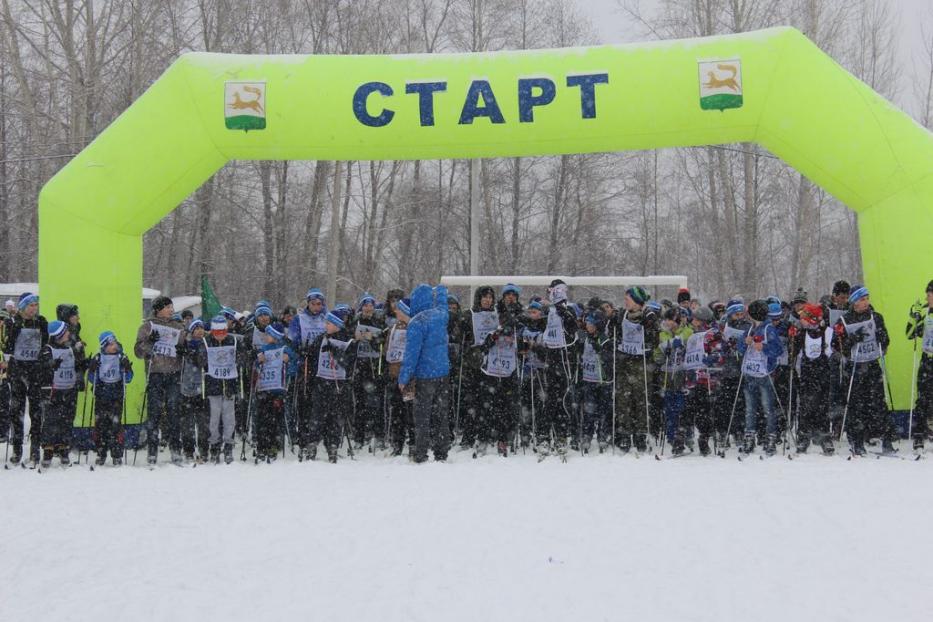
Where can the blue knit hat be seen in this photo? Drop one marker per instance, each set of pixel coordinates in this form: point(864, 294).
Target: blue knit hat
point(366, 298)
point(56, 328)
point(227, 312)
point(858, 292)
point(315, 292)
point(218, 322)
point(535, 304)
point(26, 299)
point(106, 337)
point(451, 298)
point(337, 316)
point(404, 305)
point(195, 323)
point(511, 288)
point(653, 305)
point(638, 295)
point(734, 307)
point(774, 310)
point(262, 309)
point(275, 330)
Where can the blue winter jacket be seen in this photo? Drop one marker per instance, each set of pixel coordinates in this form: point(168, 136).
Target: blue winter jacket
point(773, 348)
point(426, 340)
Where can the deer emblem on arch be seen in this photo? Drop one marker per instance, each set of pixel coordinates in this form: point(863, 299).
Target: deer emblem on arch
point(249, 104)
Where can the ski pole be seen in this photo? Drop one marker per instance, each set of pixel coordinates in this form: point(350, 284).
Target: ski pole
point(614, 357)
point(913, 383)
point(845, 411)
point(644, 366)
point(734, 404)
point(459, 384)
point(788, 430)
point(249, 413)
point(142, 409)
point(887, 385)
point(83, 415)
point(123, 412)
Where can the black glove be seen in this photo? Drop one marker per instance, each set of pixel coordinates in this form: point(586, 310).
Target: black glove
point(93, 365)
point(859, 335)
point(325, 345)
point(181, 349)
point(56, 363)
point(126, 365)
point(153, 336)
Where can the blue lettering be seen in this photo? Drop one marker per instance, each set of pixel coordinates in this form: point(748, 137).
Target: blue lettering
point(425, 91)
point(471, 108)
point(359, 104)
point(527, 100)
point(587, 84)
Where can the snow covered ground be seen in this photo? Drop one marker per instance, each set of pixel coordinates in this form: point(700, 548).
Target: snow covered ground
point(598, 538)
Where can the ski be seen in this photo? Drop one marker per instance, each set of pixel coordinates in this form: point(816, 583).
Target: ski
point(880, 455)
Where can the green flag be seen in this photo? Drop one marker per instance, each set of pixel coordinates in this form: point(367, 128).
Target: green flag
point(210, 306)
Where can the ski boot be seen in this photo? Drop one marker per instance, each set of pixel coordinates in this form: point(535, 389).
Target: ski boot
point(585, 446)
point(678, 446)
point(34, 453)
point(918, 444)
point(17, 454)
point(101, 458)
point(625, 444)
point(189, 457)
point(332, 455)
point(827, 446)
point(117, 461)
point(688, 440)
point(887, 447)
point(177, 460)
point(46, 458)
point(543, 450)
point(722, 441)
point(803, 443)
point(748, 446)
point(703, 444)
point(64, 456)
point(771, 444)
point(560, 447)
point(641, 443)
point(228, 453)
point(857, 447)
point(603, 446)
point(215, 453)
point(503, 449)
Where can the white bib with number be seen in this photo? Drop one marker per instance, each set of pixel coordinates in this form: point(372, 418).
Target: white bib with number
point(395, 350)
point(27, 344)
point(364, 348)
point(928, 334)
point(735, 334)
point(108, 371)
point(633, 339)
point(812, 347)
point(589, 364)
point(868, 349)
point(501, 359)
point(696, 351)
point(258, 339)
point(327, 366)
point(221, 362)
point(554, 336)
point(311, 326)
point(272, 371)
point(484, 322)
point(65, 376)
point(168, 339)
point(755, 363)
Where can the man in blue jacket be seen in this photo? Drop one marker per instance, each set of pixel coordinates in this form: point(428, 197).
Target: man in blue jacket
point(427, 364)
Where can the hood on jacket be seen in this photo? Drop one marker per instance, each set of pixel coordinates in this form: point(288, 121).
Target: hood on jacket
point(440, 297)
point(422, 297)
point(478, 296)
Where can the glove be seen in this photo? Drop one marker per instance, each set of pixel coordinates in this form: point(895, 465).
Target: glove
point(126, 365)
point(792, 332)
point(840, 330)
point(181, 349)
point(860, 335)
point(56, 363)
point(79, 346)
point(676, 343)
point(325, 345)
point(93, 365)
point(153, 336)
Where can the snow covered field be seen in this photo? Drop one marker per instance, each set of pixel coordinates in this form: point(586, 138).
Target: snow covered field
point(598, 538)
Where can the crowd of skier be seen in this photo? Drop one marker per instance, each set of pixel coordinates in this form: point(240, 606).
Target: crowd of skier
point(421, 372)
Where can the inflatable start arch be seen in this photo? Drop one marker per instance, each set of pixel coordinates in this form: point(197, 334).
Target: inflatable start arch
point(772, 87)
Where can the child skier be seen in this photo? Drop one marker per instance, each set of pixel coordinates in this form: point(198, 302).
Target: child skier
point(62, 364)
point(109, 371)
point(674, 335)
point(760, 351)
point(399, 416)
point(220, 357)
point(193, 410)
point(814, 370)
point(920, 328)
point(596, 381)
point(277, 366)
point(331, 354)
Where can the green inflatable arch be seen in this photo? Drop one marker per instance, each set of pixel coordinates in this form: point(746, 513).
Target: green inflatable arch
point(772, 87)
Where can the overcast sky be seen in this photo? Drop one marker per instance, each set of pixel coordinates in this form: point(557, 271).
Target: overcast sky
point(614, 26)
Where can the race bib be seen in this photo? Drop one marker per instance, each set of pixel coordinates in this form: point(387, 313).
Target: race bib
point(693, 359)
point(812, 348)
point(168, 339)
point(258, 339)
point(65, 376)
point(735, 334)
point(928, 334)
point(221, 362)
point(108, 371)
point(272, 371)
point(868, 349)
point(395, 350)
point(589, 364)
point(554, 336)
point(311, 326)
point(364, 348)
point(484, 322)
point(501, 359)
point(27, 345)
point(327, 366)
point(755, 363)
point(633, 339)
